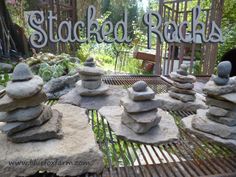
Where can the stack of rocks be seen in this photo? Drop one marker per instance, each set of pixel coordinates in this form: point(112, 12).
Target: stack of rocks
point(181, 95)
point(91, 80)
point(182, 88)
point(219, 121)
point(140, 111)
point(139, 119)
point(25, 117)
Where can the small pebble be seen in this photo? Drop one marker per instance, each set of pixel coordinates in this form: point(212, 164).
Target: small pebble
point(22, 72)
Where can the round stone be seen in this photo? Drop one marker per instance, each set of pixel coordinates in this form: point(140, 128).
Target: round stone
point(183, 70)
point(90, 60)
point(220, 80)
point(184, 67)
point(22, 72)
point(224, 69)
point(140, 86)
point(24, 89)
point(89, 64)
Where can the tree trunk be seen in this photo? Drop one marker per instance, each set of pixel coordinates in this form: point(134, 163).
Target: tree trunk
point(13, 42)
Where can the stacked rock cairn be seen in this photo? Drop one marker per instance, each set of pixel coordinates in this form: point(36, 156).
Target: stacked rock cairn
point(25, 116)
point(182, 88)
point(140, 111)
point(91, 80)
point(221, 99)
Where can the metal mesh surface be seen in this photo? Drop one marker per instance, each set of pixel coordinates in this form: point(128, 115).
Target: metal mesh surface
point(190, 156)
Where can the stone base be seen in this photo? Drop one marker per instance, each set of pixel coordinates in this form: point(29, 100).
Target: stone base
point(94, 102)
point(168, 103)
point(77, 153)
point(101, 90)
point(187, 124)
point(49, 130)
point(164, 132)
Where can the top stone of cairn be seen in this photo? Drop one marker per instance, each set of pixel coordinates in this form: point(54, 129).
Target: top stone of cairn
point(90, 62)
point(183, 70)
point(140, 86)
point(22, 72)
point(224, 68)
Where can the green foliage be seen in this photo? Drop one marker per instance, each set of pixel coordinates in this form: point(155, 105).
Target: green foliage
point(4, 78)
point(228, 28)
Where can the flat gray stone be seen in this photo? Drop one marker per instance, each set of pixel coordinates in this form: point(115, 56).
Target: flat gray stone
point(24, 89)
point(57, 87)
point(186, 86)
point(25, 114)
point(91, 85)
point(183, 79)
point(131, 106)
point(187, 125)
point(217, 111)
point(202, 123)
point(143, 117)
point(90, 78)
point(22, 72)
point(77, 147)
point(166, 131)
point(182, 97)
point(14, 127)
point(212, 89)
point(139, 127)
point(167, 103)
point(8, 104)
point(49, 130)
point(141, 96)
point(91, 71)
point(220, 103)
point(102, 90)
point(183, 91)
point(229, 121)
point(112, 98)
point(231, 97)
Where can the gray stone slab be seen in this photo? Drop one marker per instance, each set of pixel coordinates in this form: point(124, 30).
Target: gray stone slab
point(212, 89)
point(202, 123)
point(8, 104)
point(25, 114)
point(73, 155)
point(91, 71)
point(91, 85)
point(188, 86)
point(140, 127)
point(187, 125)
point(138, 106)
point(49, 130)
point(141, 96)
point(217, 111)
point(95, 102)
point(231, 97)
point(102, 90)
point(24, 89)
point(143, 117)
point(183, 79)
point(229, 121)
point(182, 97)
point(14, 127)
point(165, 132)
point(220, 103)
point(167, 103)
point(183, 91)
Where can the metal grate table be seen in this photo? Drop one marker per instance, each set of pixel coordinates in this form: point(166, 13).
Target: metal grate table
point(190, 156)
